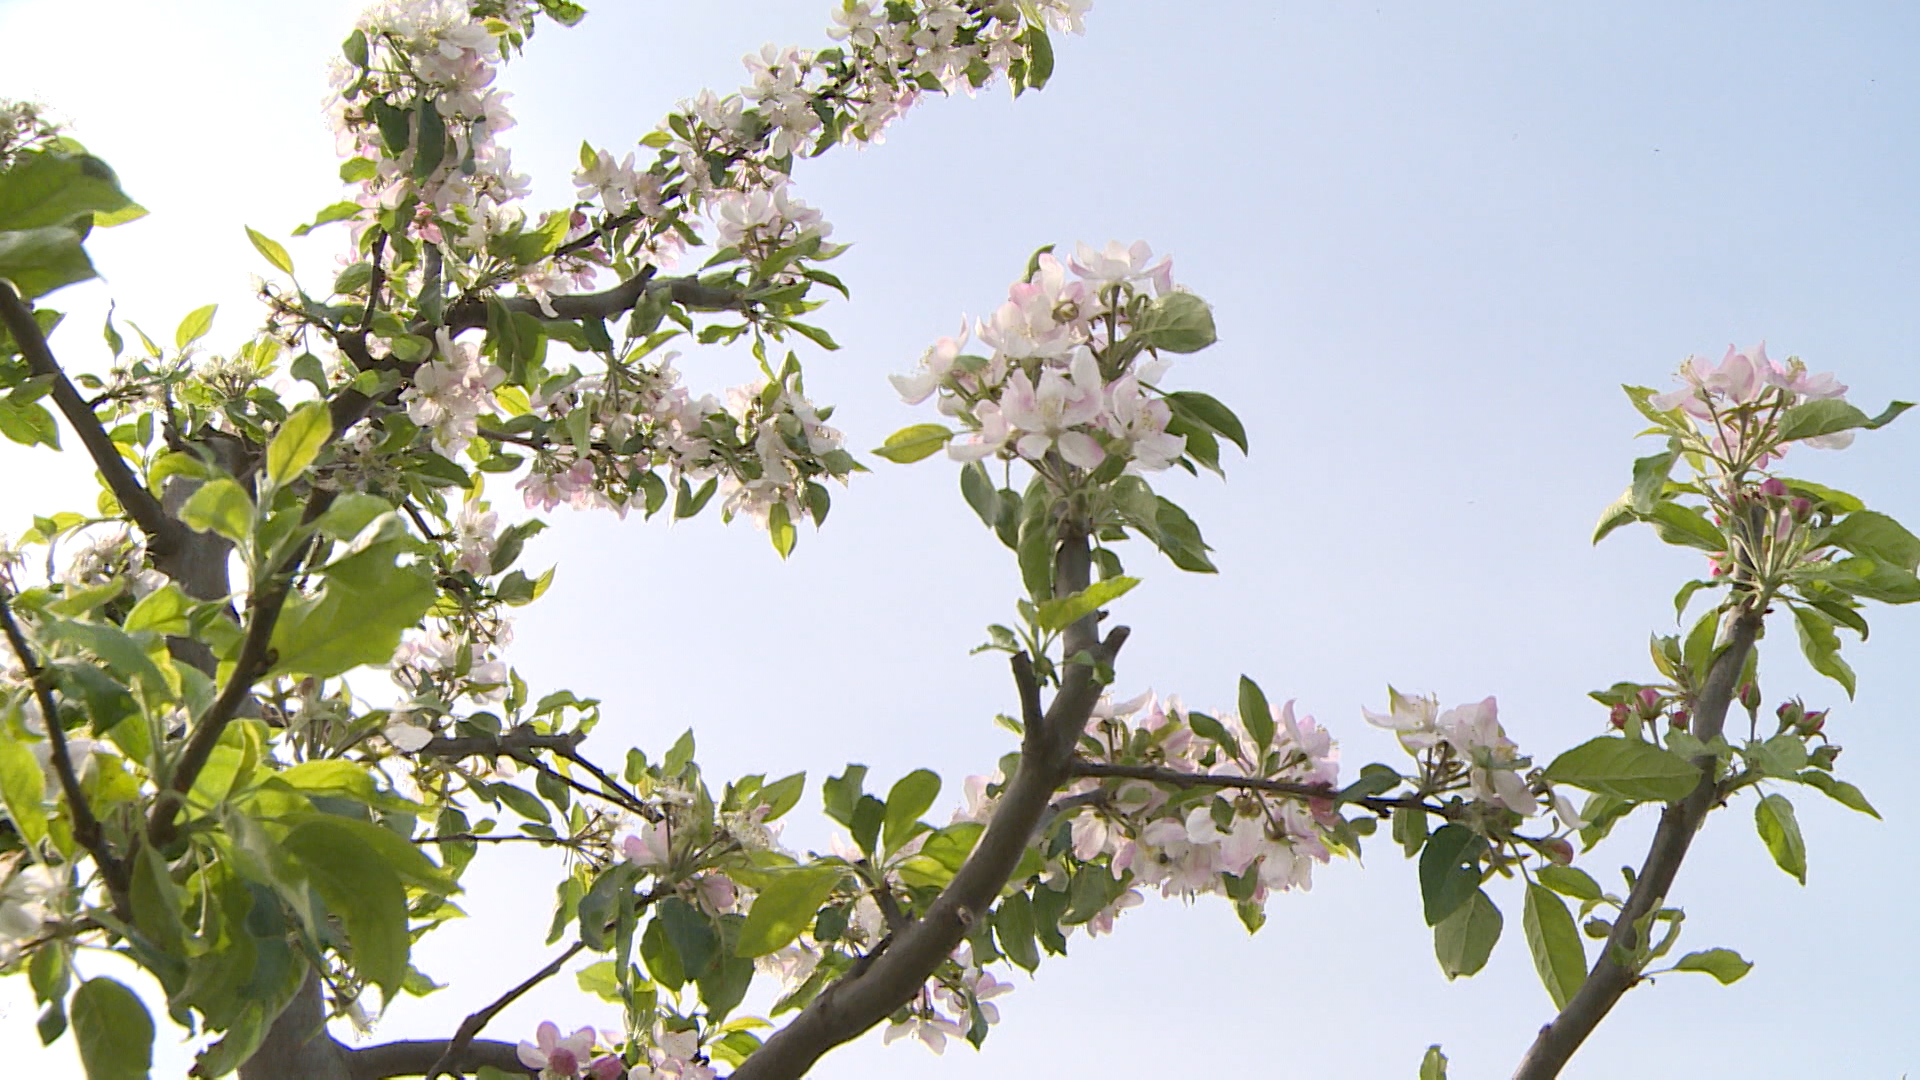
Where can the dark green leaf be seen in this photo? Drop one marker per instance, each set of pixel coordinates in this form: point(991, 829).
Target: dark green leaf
point(1465, 940)
point(1822, 646)
point(114, 1030)
point(1450, 871)
point(1256, 714)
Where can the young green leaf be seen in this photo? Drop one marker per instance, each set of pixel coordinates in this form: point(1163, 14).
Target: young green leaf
point(298, 442)
point(1062, 612)
point(1256, 713)
point(1554, 941)
point(1780, 831)
point(1723, 964)
point(785, 907)
point(910, 444)
point(908, 799)
point(271, 250)
point(1625, 769)
point(194, 326)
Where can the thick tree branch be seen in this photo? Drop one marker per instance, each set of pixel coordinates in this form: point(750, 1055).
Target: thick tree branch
point(471, 313)
point(86, 827)
point(139, 503)
point(868, 995)
point(1609, 978)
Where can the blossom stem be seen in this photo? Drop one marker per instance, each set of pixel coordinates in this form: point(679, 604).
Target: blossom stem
point(1379, 804)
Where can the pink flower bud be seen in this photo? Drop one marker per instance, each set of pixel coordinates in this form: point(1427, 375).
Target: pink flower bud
point(1680, 719)
point(1813, 722)
point(1802, 509)
point(606, 1068)
point(1749, 697)
point(1649, 703)
point(1773, 487)
point(1618, 717)
point(1558, 851)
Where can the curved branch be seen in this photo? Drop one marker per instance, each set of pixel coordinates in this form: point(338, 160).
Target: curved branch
point(1609, 978)
point(867, 995)
point(139, 503)
point(471, 313)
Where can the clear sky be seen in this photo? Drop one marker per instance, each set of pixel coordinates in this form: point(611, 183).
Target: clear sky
point(1437, 238)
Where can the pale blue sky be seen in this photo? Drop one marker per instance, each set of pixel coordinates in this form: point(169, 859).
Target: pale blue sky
point(1437, 236)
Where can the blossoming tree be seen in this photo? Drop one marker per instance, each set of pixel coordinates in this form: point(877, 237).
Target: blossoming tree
point(198, 775)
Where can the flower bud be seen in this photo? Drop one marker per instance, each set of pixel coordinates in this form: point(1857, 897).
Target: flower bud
point(1618, 717)
point(1558, 851)
point(1802, 509)
point(1790, 714)
point(1649, 703)
point(1680, 719)
point(1749, 697)
point(1773, 487)
point(1811, 723)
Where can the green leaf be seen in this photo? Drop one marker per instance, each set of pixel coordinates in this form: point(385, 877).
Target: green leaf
point(1829, 415)
point(691, 934)
point(23, 789)
point(1062, 612)
point(1207, 411)
point(1014, 929)
point(1178, 322)
point(786, 906)
point(431, 147)
point(162, 611)
point(271, 250)
point(1569, 881)
point(1433, 1066)
point(1649, 479)
point(1619, 513)
point(1039, 57)
point(1257, 714)
point(114, 1030)
point(780, 529)
point(52, 188)
point(39, 261)
point(299, 440)
point(1822, 646)
point(1839, 790)
point(1723, 964)
point(1037, 545)
point(1625, 769)
point(910, 444)
point(358, 885)
point(1450, 871)
point(220, 506)
point(1558, 955)
point(364, 602)
point(1781, 833)
point(194, 326)
point(908, 799)
point(1865, 532)
point(1465, 940)
point(978, 490)
point(1686, 527)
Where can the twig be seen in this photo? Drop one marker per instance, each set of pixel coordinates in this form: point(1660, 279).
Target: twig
point(133, 496)
point(86, 827)
point(506, 744)
point(632, 800)
point(471, 1026)
point(1376, 803)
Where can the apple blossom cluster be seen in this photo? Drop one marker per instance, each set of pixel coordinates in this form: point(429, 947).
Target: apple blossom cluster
point(1066, 379)
point(415, 112)
point(1191, 840)
point(670, 1055)
point(1466, 748)
point(1738, 401)
point(765, 447)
